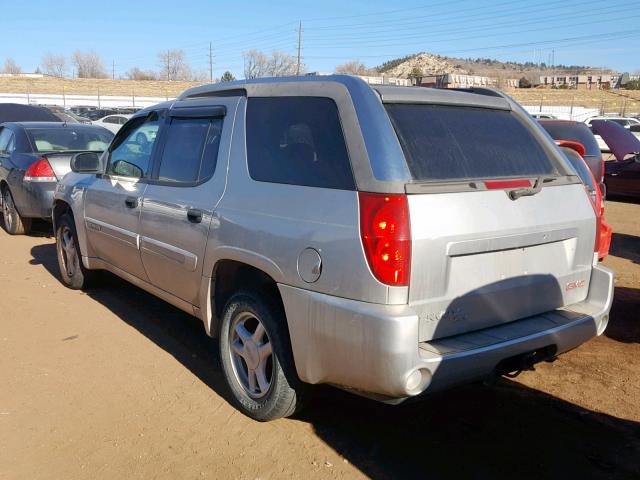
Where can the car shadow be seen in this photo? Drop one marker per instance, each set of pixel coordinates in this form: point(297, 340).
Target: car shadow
point(503, 431)
point(625, 246)
point(624, 322)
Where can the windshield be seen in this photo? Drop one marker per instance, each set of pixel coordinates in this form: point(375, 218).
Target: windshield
point(70, 138)
point(443, 143)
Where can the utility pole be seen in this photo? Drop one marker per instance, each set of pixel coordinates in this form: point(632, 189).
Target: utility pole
point(113, 69)
point(210, 62)
point(168, 75)
point(299, 47)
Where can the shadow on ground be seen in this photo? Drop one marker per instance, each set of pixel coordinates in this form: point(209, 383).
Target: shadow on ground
point(625, 246)
point(503, 431)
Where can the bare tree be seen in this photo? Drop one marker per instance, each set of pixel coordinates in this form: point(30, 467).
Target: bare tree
point(54, 64)
point(279, 64)
point(256, 64)
point(174, 66)
point(89, 65)
point(354, 67)
point(10, 66)
point(227, 77)
point(282, 64)
point(138, 74)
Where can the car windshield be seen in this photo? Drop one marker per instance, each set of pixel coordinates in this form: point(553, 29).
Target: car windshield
point(443, 143)
point(70, 138)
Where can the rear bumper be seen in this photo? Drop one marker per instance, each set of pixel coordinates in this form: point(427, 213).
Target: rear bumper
point(374, 349)
point(36, 200)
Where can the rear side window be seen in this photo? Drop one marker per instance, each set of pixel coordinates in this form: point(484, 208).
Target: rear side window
point(451, 143)
point(191, 150)
point(297, 141)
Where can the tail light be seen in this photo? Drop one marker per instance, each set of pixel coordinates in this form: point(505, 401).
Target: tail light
point(386, 236)
point(40, 171)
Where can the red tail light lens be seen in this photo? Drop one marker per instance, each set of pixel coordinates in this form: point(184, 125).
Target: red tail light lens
point(386, 236)
point(40, 171)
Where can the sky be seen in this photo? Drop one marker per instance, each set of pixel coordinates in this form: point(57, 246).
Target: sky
point(132, 33)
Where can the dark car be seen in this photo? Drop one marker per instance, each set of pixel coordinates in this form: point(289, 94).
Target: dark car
point(98, 114)
point(33, 157)
point(622, 175)
point(578, 132)
point(17, 112)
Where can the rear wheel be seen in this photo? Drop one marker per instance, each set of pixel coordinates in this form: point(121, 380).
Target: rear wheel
point(14, 224)
point(256, 358)
point(74, 274)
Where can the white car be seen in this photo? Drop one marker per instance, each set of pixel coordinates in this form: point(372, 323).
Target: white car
point(113, 122)
point(629, 123)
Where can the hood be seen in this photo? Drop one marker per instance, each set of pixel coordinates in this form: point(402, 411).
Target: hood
point(620, 141)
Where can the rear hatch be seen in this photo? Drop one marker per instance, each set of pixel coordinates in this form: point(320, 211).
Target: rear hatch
point(501, 229)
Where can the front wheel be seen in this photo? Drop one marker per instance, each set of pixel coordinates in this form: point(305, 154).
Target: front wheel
point(14, 224)
point(256, 358)
point(74, 274)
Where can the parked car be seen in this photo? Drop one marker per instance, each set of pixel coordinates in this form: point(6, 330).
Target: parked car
point(543, 115)
point(582, 150)
point(16, 112)
point(389, 240)
point(622, 175)
point(629, 123)
point(112, 122)
point(98, 113)
point(33, 157)
point(66, 115)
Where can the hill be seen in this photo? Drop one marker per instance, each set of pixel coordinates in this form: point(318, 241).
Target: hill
point(428, 64)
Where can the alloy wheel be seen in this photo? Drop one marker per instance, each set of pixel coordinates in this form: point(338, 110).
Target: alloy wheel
point(251, 355)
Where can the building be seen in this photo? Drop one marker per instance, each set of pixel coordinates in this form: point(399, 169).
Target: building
point(580, 82)
point(456, 80)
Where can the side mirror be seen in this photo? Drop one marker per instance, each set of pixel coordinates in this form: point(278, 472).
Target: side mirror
point(85, 162)
point(575, 146)
point(126, 169)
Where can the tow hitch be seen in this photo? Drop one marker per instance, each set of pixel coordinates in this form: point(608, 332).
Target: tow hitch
point(513, 366)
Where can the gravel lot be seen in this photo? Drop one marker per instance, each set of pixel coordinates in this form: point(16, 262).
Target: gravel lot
point(114, 383)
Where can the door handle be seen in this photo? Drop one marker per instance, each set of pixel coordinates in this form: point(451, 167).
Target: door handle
point(131, 202)
point(194, 215)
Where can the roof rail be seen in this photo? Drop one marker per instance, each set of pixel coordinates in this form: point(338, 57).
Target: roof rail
point(231, 92)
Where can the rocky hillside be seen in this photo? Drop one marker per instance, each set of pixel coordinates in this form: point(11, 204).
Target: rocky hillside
point(428, 64)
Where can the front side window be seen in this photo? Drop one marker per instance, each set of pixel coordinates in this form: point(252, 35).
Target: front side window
point(454, 143)
point(191, 150)
point(297, 141)
point(130, 153)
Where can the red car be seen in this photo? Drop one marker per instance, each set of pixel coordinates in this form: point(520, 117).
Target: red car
point(581, 148)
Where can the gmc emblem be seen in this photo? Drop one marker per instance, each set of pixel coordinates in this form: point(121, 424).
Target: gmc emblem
point(574, 285)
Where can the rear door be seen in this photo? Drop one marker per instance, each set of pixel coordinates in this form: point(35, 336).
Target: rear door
point(187, 184)
point(113, 201)
point(481, 257)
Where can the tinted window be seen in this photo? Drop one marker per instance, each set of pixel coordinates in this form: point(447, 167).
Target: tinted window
point(111, 119)
point(298, 141)
point(461, 143)
point(191, 149)
point(131, 150)
point(70, 138)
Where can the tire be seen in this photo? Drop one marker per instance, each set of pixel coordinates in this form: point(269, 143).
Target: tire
point(273, 390)
point(73, 273)
point(14, 224)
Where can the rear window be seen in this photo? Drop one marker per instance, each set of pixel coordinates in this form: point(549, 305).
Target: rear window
point(69, 138)
point(447, 143)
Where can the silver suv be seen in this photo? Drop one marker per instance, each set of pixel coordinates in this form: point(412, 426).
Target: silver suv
point(387, 240)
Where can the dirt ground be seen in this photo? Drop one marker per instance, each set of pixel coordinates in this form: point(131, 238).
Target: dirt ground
point(114, 383)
